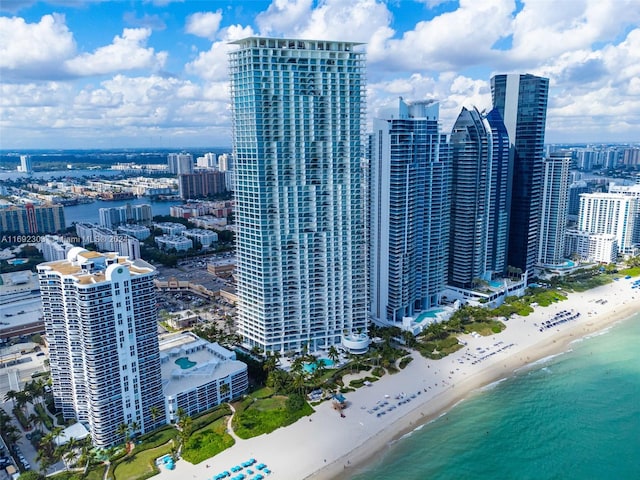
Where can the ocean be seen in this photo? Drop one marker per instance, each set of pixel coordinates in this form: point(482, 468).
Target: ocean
point(573, 416)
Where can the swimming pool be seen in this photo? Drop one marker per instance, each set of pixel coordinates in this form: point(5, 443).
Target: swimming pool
point(311, 367)
point(184, 363)
point(429, 314)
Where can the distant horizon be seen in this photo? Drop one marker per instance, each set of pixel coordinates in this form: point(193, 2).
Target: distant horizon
point(156, 73)
point(9, 151)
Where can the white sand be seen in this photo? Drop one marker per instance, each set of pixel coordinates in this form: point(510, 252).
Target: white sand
point(326, 446)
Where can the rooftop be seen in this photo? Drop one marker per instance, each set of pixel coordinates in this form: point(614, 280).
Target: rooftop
point(210, 361)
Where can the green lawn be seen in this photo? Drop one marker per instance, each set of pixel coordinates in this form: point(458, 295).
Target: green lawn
point(207, 442)
point(436, 349)
point(490, 327)
point(140, 465)
point(158, 437)
point(633, 271)
point(257, 416)
point(95, 473)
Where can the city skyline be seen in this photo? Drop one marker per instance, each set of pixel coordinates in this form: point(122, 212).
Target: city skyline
point(154, 74)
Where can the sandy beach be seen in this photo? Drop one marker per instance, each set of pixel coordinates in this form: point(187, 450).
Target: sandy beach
point(326, 446)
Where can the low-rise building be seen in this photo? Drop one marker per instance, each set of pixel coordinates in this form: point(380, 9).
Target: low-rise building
point(138, 231)
point(179, 242)
point(591, 247)
point(205, 237)
point(170, 228)
point(198, 375)
point(54, 247)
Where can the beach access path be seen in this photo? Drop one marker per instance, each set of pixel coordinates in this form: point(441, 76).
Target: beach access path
point(327, 446)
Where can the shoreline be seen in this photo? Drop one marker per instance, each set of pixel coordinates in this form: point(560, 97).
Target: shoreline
point(329, 447)
point(364, 453)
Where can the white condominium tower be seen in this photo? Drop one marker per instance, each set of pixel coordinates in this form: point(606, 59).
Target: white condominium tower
point(298, 114)
point(100, 318)
point(555, 205)
point(409, 211)
point(610, 213)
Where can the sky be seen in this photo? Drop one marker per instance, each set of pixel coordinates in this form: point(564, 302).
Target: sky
point(154, 73)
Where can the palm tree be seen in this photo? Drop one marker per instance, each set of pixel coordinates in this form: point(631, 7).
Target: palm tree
point(34, 420)
point(67, 451)
point(123, 431)
point(22, 398)
point(298, 382)
point(155, 412)
point(333, 354)
point(43, 459)
point(135, 428)
point(11, 434)
point(11, 395)
point(86, 454)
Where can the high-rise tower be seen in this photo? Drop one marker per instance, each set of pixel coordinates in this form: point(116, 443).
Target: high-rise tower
point(555, 208)
point(479, 187)
point(522, 103)
point(100, 318)
point(298, 112)
point(409, 211)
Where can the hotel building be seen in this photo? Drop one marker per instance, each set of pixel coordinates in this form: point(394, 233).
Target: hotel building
point(100, 319)
point(409, 214)
point(298, 114)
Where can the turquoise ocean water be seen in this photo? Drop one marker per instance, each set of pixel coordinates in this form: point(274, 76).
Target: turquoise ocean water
point(575, 416)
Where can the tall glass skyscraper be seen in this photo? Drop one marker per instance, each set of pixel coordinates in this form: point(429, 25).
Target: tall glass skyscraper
point(522, 103)
point(479, 187)
point(298, 112)
point(409, 211)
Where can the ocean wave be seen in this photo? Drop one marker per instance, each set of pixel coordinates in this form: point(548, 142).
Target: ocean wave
point(408, 434)
point(597, 334)
point(541, 361)
point(492, 385)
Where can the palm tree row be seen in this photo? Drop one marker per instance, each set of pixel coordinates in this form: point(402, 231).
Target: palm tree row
point(73, 452)
point(33, 393)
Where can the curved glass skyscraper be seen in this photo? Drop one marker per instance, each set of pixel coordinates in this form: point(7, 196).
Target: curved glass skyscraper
point(479, 187)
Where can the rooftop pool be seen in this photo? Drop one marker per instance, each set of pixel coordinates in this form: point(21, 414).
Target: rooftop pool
point(184, 363)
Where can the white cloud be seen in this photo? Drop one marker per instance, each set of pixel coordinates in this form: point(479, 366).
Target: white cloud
point(204, 24)
point(590, 50)
point(541, 32)
point(451, 41)
point(283, 16)
point(127, 52)
point(213, 64)
point(34, 50)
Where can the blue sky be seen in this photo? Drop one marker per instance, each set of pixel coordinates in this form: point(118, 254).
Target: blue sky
point(153, 73)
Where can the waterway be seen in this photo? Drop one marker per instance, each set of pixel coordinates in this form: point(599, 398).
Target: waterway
point(89, 212)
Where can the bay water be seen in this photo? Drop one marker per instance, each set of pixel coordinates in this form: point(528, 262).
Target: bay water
point(90, 212)
point(574, 416)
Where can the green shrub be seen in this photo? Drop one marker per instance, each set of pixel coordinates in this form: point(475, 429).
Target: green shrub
point(207, 442)
point(46, 419)
point(405, 361)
